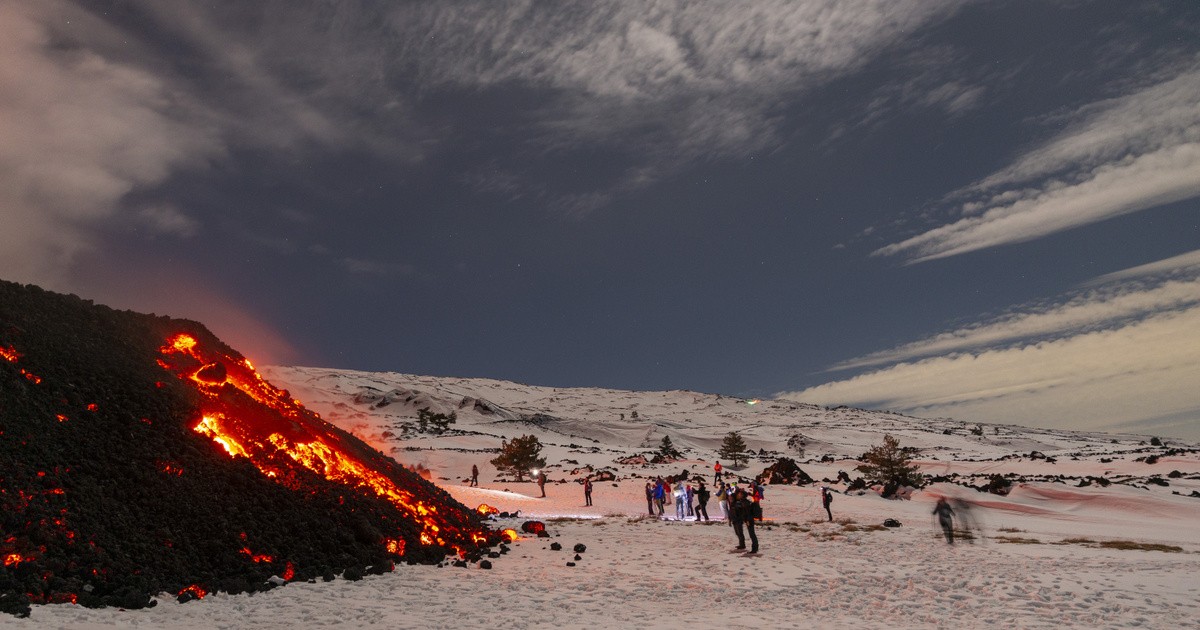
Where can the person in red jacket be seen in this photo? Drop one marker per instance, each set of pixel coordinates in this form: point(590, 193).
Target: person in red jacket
point(716, 472)
point(587, 491)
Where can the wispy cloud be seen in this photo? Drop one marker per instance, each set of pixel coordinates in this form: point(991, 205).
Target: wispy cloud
point(1116, 157)
point(78, 131)
point(1125, 352)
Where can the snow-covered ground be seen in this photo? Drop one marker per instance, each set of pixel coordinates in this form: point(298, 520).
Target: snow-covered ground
point(1061, 550)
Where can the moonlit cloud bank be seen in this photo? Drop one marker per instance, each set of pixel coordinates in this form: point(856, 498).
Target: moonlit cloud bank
point(1124, 354)
point(78, 132)
point(1116, 157)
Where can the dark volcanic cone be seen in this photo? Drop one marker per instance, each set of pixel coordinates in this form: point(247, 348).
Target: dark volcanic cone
point(140, 455)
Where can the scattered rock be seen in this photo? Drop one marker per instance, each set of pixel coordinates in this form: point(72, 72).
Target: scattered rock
point(891, 522)
point(555, 546)
point(580, 547)
point(485, 564)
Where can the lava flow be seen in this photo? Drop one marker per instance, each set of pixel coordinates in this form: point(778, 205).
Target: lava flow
point(250, 418)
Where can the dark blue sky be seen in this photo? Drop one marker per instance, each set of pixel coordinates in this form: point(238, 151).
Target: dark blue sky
point(984, 210)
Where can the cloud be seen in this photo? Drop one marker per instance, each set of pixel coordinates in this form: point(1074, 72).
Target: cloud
point(1123, 155)
point(668, 82)
point(1123, 356)
point(78, 132)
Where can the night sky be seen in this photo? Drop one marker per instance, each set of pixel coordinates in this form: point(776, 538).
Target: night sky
point(981, 210)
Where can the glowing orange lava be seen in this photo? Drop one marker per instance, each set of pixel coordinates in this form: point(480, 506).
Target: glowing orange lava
point(197, 591)
point(250, 418)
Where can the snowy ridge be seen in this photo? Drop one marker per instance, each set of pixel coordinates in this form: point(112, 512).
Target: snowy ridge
point(1098, 531)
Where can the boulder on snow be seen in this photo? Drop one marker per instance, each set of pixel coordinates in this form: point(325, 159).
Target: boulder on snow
point(785, 471)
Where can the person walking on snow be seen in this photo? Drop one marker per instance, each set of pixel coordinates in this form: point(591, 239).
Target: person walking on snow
point(474, 475)
point(717, 472)
point(541, 480)
point(723, 499)
point(945, 519)
point(690, 495)
point(587, 491)
point(680, 497)
point(826, 499)
point(741, 513)
point(702, 501)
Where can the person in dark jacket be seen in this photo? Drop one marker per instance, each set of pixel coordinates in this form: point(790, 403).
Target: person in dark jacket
point(650, 498)
point(945, 519)
point(587, 491)
point(541, 480)
point(741, 513)
point(826, 499)
point(474, 475)
point(702, 502)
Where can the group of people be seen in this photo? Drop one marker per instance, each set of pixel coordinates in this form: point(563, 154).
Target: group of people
point(740, 507)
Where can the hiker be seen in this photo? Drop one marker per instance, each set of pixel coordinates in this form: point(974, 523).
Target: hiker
point(723, 499)
point(660, 497)
point(826, 499)
point(741, 513)
point(587, 491)
point(474, 475)
point(702, 501)
point(945, 519)
point(541, 481)
point(650, 498)
point(679, 499)
point(756, 497)
point(690, 495)
point(717, 472)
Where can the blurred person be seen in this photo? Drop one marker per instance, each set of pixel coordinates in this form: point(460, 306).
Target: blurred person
point(945, 518)
point(649, 498)
point(826, 500)
point(690, 496)
point(541, 481)
point(474, 475)
point(717, 472)
point(723, 499)
point(587, 491)
point(680, 497)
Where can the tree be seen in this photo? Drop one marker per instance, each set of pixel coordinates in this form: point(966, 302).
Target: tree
point(667, 449)
point(734, 448)
point(437, 422)
point(519, 455)
point(890, 466)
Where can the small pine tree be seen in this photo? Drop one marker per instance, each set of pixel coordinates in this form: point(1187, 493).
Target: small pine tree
point(667, 449)
point(734, 448)
point(519, 455)
point(890, 466)
point(436, 422)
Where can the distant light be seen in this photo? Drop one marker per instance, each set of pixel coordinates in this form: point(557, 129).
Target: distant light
point(753, 402)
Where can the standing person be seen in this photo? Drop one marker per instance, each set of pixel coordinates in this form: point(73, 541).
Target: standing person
point(741, 512)
point(690, 495)
point(649, 498)
point(756, 497)
point(702, 501)
point(660, 495)
point(474, 475)
point(679, 500)
point(826, 499)
point(945, 519)
point(587, 491)
point(723, 499)
point(717, 472)
point(541, 480)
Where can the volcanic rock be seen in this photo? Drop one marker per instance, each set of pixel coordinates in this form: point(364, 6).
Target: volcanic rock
point(106, 482)
point(580, 547)
point(785, 471)
point(555, 546)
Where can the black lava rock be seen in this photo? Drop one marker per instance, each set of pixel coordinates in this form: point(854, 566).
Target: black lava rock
point(580, 547)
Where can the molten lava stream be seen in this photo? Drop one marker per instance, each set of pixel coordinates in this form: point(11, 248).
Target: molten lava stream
point(250, 418)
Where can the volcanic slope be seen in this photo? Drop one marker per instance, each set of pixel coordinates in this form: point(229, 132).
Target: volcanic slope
point(118, 480)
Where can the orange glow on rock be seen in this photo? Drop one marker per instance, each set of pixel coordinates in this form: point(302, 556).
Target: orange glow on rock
point(196, 590)
point(250, 418)
point(510, 535)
